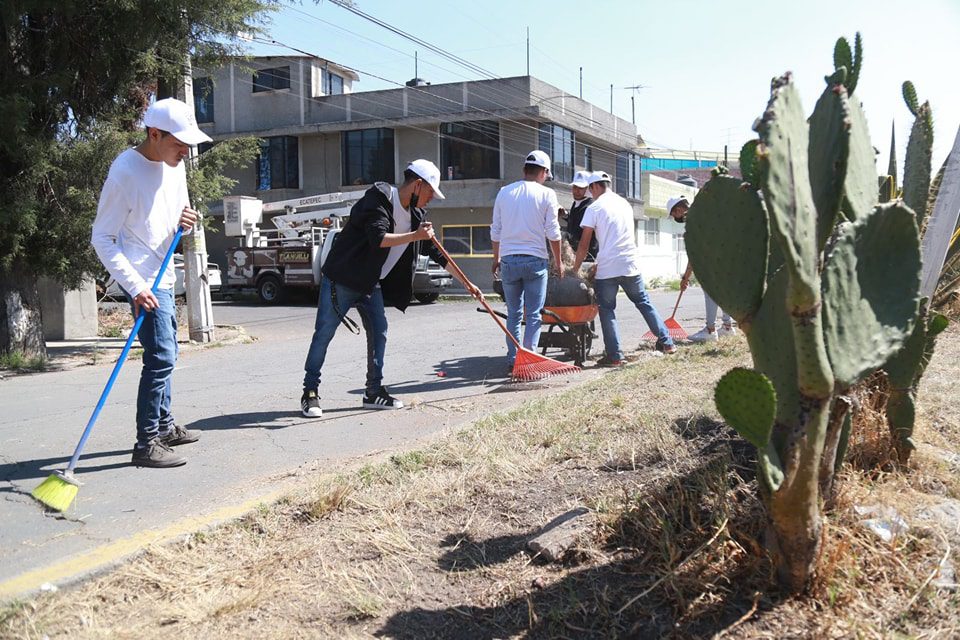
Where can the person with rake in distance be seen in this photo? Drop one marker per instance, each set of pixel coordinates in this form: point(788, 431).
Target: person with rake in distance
point(142, 202)
point(610, 217)
point(524, 221)
point(370, 265)
point(678, 208)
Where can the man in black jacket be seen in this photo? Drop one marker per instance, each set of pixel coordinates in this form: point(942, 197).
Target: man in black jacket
point(581, 200)
point(370, 265)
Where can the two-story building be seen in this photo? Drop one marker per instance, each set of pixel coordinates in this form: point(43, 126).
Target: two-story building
point(318, 135)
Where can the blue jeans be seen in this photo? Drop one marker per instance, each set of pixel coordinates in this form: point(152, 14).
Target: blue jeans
point(525, 290)
point(374, 319)
point(607, 289)
point(158, 337)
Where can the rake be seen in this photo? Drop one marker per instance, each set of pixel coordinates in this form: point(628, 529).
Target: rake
point(528, 365)
point(676, 331)
point(61, 487)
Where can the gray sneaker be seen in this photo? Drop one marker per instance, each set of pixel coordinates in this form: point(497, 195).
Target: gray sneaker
point(157, 455)
point(179, 435)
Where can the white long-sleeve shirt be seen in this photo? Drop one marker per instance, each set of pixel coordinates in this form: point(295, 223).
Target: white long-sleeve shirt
point(524, 217)
point(140, 207)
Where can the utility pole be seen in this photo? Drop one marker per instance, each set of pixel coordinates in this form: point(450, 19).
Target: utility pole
point(611, 99)
point(581, 83)
point(199, 306)
point(528, 50)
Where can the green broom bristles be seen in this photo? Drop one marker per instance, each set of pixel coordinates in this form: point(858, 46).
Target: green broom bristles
point(57, 491)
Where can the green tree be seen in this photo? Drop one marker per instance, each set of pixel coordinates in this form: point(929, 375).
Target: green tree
point(75, 76)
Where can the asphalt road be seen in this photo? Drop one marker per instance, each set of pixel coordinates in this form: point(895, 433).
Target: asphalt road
point(245, 401)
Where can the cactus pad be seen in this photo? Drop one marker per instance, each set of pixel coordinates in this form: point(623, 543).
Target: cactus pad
point(827, 153)
point(860, 184)
point(750, 163)
point(786, 186)
point(746, 400)
point(727, 239)
point(917, 164)
point(871, 291)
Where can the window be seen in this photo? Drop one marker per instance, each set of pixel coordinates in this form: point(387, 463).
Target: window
point(203, 147)
point(628, 175)
point(678, 244)
point(368, 156)
point(469, 150)
point(557, 142)
point(271, 79)
point(203, 99)
point(588, 158)
point(467, 240)
point(279, 164)
point(651, 232)
point(332, 83)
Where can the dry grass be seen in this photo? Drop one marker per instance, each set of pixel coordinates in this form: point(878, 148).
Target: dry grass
point(431, 543)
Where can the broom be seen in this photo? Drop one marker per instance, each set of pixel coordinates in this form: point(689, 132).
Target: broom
point(676, 331)
point(61, 487)
point(528, 365)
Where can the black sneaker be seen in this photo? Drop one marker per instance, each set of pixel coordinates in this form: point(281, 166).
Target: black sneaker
point(156, 455)
point(310, 405)
point(663, 347)
point(381, 400)
point(179, 435)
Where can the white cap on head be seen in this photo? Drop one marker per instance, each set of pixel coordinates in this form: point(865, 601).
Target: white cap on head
point(430, 174)
point(599, 176)
point(672, 202)
point(581, 179)
point(540, 159)
point(177, 119)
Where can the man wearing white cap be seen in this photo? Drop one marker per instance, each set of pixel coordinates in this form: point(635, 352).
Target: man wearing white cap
point(371, 265)
point(618, 265)
point(581, 200)
point(524, 219)
point(142, 202)
point(678, 208)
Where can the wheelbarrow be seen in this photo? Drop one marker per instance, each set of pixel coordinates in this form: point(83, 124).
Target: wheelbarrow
point(568, 328)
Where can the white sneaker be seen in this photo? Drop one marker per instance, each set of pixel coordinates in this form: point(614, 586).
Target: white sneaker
point(727, 331)
point(704, 335)
point(310, 405)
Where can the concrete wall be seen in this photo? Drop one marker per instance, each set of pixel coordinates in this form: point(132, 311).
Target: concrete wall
point(68, 315)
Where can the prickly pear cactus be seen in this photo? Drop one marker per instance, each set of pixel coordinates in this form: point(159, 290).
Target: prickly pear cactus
point(818, 315)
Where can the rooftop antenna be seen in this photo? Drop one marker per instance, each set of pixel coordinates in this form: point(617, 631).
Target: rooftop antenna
point(633, 109)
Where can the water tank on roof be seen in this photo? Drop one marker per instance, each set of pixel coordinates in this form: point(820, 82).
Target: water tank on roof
point(687, 180)
point(417, 82)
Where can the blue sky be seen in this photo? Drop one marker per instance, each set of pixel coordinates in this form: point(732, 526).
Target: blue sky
point(705, 65)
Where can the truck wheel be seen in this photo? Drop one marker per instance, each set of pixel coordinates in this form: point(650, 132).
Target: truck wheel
point(270, 289)
point(426, 298)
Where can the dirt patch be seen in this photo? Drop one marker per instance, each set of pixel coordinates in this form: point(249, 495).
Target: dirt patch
point(431, 543)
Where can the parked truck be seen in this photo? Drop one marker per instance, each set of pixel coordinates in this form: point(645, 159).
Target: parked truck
point(272, 261)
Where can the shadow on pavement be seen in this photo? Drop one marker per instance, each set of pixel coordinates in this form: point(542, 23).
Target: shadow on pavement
point(42, 467)
point(458, 373)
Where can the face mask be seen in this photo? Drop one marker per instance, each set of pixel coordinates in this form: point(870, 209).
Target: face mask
point(415, 197)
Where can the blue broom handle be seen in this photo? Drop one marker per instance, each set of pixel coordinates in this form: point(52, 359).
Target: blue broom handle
point(123, 354)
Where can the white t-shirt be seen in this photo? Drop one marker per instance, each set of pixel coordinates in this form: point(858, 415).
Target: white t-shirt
point(524, 216)
point(611, 218)
point(140, 207)
point(401, 224)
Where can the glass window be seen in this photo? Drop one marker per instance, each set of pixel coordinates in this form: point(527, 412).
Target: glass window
point(332, 83)
point(651, 232)
point(628, 175)
point(470, 150)
point(279, 164)
point(588, 158)
point(203, 99)
point(467, 240)
point(678, 244)
point(557, 142)
point(368, 156)
point(271, 79)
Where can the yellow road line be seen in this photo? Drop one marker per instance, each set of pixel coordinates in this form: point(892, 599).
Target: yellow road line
point(113, 552)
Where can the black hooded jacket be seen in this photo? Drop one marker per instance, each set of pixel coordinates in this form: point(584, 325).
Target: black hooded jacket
point(356, 257)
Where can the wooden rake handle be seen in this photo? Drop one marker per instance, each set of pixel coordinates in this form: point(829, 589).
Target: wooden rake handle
point(677, 306)
point(463, 278)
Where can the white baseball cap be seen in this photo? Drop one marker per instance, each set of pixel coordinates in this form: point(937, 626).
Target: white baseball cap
point(540, 159)
point(430, 174)
point(672, 202)
point(599, 176)
point(176, 118)
point(581, 179)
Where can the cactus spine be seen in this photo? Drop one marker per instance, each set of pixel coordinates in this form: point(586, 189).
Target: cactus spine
point(816, 322)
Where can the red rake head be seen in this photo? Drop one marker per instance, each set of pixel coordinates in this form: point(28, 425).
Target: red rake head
point(676, 331)
point(531, 366)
